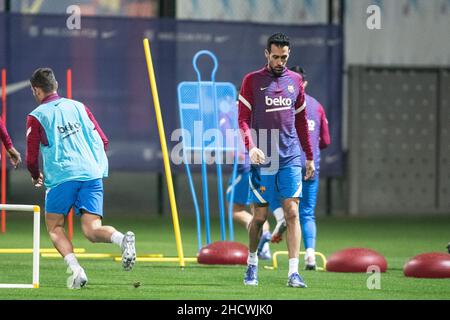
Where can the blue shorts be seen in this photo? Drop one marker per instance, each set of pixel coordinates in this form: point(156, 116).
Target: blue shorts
point(83, 195)
point(275, 204)
point(241, 189)
point(272, 188)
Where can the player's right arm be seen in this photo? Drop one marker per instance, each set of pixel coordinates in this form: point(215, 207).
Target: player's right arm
point(98, 128)
point(301, 125)
point(325, 139)
point(245, 117)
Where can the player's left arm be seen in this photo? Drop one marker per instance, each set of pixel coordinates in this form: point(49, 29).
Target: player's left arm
point(301, 125)
point(4, 136)
point(98, 128)
point(325, 139)
point(34, 138)
point(13, 154)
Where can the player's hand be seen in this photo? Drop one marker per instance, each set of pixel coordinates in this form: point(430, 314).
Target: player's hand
point(257, 156)
point(310, 169)
point(39, 181)
point(14, 157)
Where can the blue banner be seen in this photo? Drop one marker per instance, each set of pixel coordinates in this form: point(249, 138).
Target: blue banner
point(109, 73)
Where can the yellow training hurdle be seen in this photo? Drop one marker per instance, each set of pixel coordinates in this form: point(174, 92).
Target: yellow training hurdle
point(42, 251)
point(277, 253)
point(97, 255)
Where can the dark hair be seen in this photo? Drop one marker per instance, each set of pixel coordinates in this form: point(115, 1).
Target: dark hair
point(279, 39)
point(299, 70)
point(44, 78)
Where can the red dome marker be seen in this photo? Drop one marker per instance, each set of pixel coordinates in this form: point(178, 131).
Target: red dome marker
point(355, 260)
point(428, 265)
point(223, 252)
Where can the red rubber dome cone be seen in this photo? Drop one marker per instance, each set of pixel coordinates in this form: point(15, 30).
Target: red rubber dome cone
point(223, 252)
point(428, 265)
point(355, 260)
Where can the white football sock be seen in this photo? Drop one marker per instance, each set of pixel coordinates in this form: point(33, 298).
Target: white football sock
point(117, 238)
point(310, 256)
point(279, 214)
point(293, 266)
point(252, 258)
point(72, 262)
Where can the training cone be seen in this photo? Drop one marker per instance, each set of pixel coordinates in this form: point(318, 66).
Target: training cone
point(356, 260)
point(223, 252)
point(428, 265)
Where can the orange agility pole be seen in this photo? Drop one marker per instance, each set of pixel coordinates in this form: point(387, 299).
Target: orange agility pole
point(3, 182)
point(69, 96)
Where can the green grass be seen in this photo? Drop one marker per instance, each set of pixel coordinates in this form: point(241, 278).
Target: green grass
point(398, 239)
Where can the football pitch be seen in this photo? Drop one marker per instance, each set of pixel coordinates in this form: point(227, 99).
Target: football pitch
point(397, 238)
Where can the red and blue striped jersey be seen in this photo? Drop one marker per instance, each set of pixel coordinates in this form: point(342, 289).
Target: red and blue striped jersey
point(271, 104)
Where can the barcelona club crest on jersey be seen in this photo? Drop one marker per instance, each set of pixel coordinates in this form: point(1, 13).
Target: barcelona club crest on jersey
point(291, 89)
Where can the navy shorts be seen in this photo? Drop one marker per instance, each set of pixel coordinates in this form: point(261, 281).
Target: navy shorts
point(241, 189)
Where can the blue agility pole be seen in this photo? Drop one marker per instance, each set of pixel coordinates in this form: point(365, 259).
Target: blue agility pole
point(218, 150)
point(203, 105)
point(186, 149)
point(202, 112)
point(233, 179)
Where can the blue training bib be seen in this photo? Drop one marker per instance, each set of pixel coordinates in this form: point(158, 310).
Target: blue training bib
point(75, 149)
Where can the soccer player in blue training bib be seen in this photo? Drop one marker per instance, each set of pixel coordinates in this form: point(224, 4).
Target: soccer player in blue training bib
point(74, 163)
point(320, 139)
point(272, 120)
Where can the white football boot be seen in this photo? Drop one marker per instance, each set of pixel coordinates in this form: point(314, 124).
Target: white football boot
point(77, 279)
point(128, 251)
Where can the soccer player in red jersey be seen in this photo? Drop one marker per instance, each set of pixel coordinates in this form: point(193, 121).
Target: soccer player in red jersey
point(272, 119)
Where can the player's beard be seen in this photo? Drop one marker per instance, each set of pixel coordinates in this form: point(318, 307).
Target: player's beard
point(278, 71)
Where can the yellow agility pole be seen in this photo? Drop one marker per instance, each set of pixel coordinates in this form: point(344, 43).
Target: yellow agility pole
point(162, 138)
